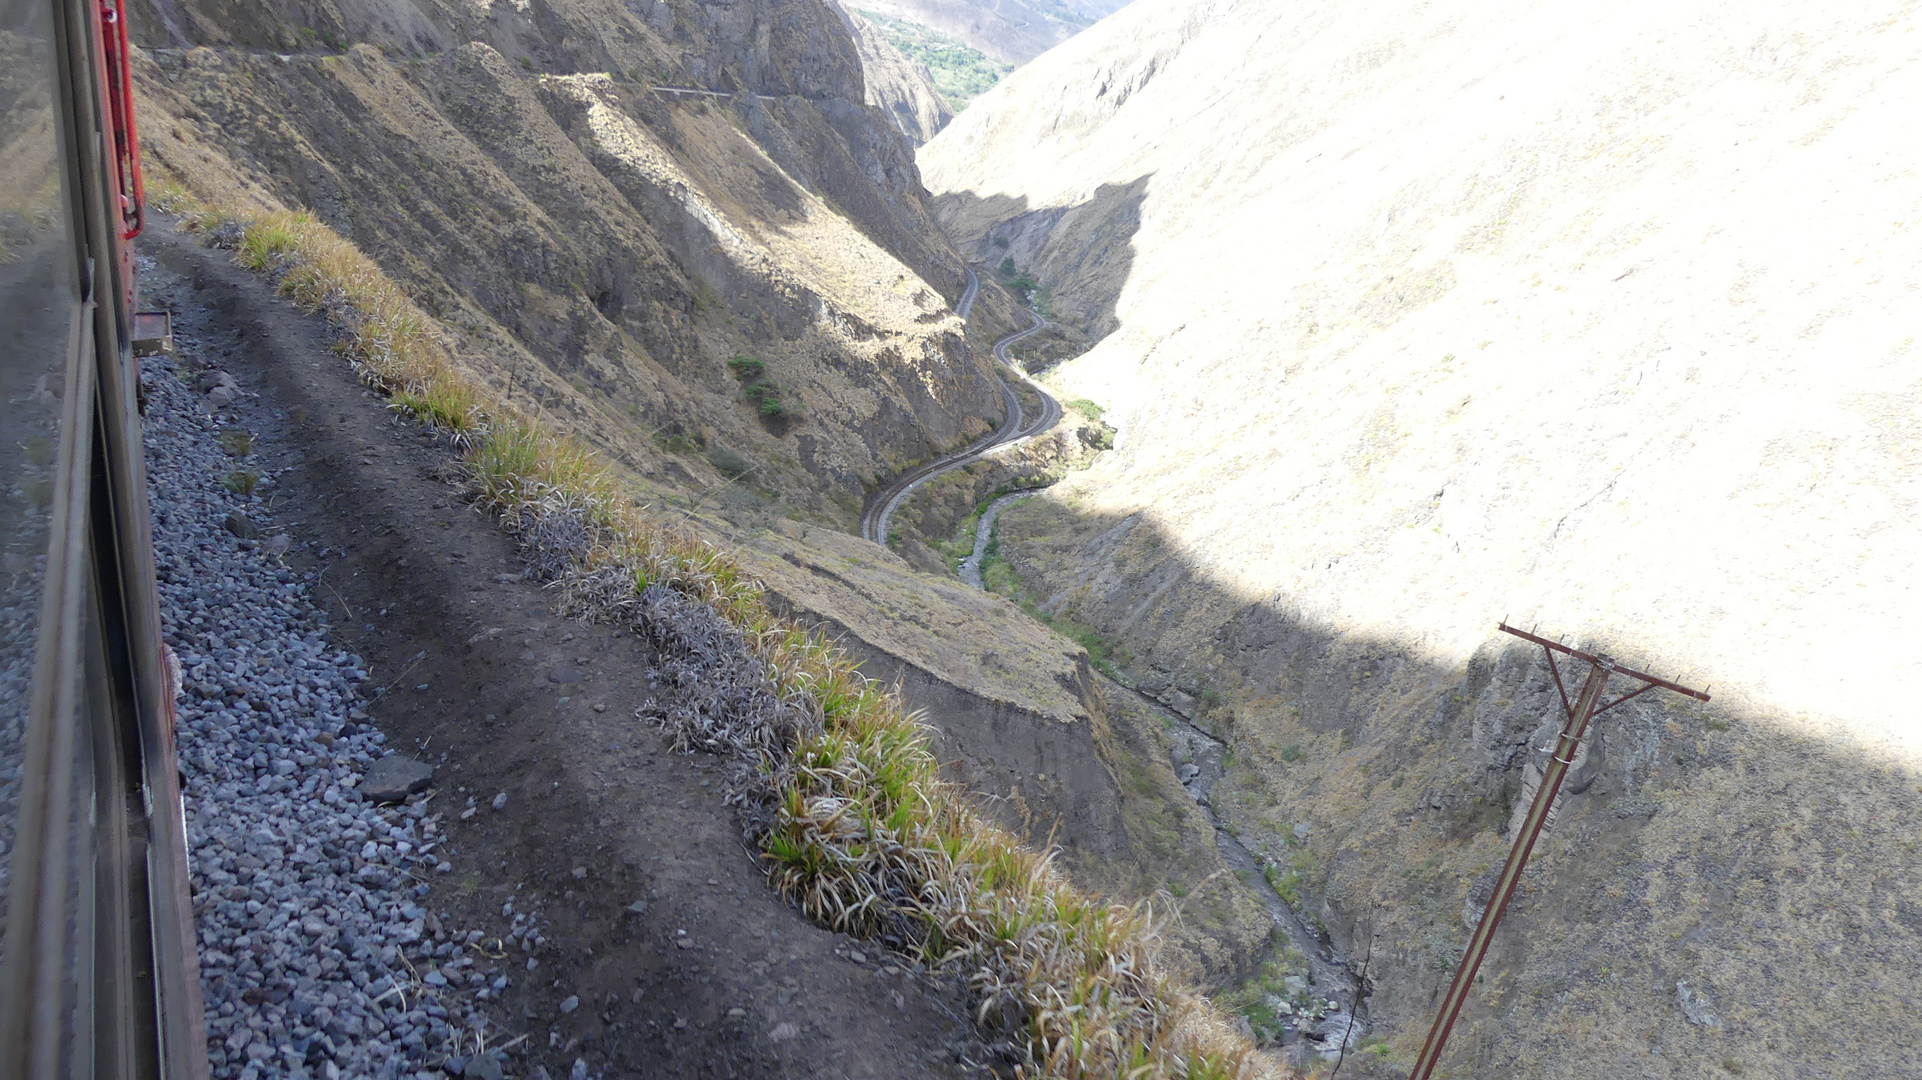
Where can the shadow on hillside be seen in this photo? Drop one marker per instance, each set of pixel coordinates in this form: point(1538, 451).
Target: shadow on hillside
point(1744, 854)
point(1082, 253)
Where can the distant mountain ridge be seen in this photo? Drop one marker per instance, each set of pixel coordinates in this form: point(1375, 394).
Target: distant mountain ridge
point(1013, 31)
point(897, 84)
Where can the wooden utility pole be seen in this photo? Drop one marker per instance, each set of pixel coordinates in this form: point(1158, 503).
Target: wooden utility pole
point(1586, 707)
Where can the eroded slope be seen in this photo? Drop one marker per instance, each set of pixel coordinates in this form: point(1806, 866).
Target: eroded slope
point(607, 246)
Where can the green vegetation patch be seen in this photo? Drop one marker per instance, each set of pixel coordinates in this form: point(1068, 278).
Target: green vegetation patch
point(769, 399)
point(961, 74)
point(731, 464)
point(237, 442)
point(1020, 281)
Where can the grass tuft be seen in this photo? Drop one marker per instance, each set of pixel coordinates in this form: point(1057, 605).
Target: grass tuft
point(241, 481)
point(237, 442)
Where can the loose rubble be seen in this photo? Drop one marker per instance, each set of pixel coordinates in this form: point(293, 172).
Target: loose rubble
point(318, 955)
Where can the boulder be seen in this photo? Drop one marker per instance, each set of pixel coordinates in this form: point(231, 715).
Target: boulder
point(395, 777)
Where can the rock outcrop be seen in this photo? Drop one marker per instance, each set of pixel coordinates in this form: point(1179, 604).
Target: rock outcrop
point(1418, 317)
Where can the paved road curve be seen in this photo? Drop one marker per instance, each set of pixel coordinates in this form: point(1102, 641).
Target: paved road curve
point(1015, 428)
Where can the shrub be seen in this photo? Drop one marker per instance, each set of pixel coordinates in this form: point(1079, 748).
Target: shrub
point(766, 398)
point(1086, 408)
point(731, 464)
point(765, 394)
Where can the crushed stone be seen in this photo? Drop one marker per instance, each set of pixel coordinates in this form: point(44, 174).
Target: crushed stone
point(319, 954)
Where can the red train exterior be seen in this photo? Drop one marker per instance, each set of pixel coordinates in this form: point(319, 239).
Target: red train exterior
point(98, 976)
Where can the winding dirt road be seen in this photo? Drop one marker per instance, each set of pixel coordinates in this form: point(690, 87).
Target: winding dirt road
point(1014, 428)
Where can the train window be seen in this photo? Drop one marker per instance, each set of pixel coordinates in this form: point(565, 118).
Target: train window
point(43, 431)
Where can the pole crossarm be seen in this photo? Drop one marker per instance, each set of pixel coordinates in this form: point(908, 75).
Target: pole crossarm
point(1556, 646)
point(1587, 706)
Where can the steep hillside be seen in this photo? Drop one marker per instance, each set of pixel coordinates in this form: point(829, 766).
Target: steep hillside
point(609, 207)
point(898, 85)
point(1415, 317)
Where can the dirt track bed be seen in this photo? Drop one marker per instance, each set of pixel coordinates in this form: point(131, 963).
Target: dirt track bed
point(713, 975)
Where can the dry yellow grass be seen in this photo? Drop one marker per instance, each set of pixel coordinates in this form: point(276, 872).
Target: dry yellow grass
point(865, 836)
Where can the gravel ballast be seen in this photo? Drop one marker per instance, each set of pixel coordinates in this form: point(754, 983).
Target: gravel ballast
point(318, 953)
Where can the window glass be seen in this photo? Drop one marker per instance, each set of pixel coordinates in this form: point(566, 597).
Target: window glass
point(37, 301)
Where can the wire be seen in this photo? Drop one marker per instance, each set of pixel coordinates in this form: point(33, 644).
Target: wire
point(1361, 984)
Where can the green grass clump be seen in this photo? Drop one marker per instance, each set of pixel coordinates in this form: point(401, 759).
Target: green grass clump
point(1268, 999)
point(167, 195)
point(237, 443)
point(1020, 282)
point(241, 481)
point(1286, 881)
point(1086, 408)
point(767, 399)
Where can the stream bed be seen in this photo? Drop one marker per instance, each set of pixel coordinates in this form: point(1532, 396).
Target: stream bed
point(1198, 758)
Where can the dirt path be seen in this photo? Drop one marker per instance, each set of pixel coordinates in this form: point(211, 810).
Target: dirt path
point(666, 954)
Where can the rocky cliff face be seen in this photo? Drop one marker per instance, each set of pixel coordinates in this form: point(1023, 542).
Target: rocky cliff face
point(1416, 318)
point(608, 204)
point(896, 84)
